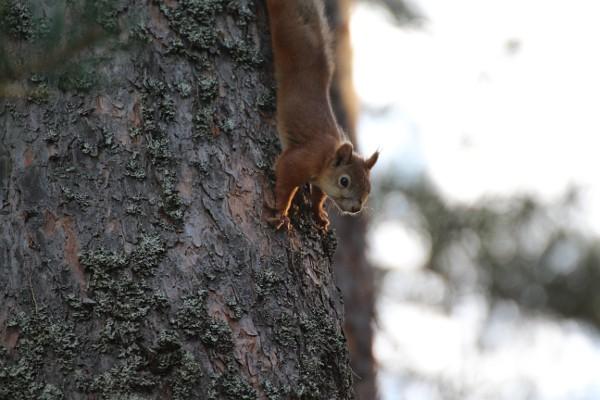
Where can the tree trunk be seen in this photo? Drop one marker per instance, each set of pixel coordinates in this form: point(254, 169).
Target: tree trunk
point(135, 260)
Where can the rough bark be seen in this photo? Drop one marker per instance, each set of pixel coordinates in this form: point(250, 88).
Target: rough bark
point(353, 273)
point(135, 261)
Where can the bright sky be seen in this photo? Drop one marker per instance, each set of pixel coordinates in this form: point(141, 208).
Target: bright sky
point(491, 97)
point(480, 117)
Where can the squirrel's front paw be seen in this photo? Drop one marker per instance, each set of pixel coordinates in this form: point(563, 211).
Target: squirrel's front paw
point(278, 220)
point(281, 221)
point(322, 219)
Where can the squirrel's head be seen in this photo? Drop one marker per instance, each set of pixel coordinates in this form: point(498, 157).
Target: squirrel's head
point(346, 179)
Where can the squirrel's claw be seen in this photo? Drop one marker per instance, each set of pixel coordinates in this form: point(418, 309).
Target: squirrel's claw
point(322, 220)
point(281, 221)
point(278, 220)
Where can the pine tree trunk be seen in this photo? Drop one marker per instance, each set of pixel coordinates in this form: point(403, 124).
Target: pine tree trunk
point(135, 260)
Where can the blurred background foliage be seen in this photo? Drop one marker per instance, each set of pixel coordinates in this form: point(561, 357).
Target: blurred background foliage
point(536, 254)
point(517, 248)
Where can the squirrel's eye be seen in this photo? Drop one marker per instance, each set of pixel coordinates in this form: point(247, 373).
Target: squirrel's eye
point(344, 181)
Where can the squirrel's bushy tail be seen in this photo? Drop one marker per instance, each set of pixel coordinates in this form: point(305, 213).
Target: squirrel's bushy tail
point(301, 42)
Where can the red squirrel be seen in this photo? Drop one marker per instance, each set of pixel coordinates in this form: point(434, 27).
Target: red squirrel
point(315, 150)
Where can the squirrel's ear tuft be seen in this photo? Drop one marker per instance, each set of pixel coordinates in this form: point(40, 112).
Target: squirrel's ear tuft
point(369, 162)
point(343, 155)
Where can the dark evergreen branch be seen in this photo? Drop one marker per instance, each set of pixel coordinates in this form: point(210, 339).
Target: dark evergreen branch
point(404, 13)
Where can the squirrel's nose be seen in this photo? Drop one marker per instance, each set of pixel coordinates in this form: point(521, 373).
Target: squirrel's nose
point(355, 209)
